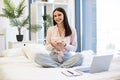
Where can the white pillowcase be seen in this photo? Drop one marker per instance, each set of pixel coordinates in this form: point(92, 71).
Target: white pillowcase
point(31, 50)
point(87, 57)
point(12, 52)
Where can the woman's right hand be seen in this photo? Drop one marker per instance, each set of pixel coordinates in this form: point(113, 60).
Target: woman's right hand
point(59, 46)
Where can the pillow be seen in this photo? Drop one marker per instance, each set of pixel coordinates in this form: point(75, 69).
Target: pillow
point(12, 52)
point(87, 57)
point(31, 50)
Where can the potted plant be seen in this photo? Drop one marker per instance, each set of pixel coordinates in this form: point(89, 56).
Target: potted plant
point(16, 16)
point(47, 22)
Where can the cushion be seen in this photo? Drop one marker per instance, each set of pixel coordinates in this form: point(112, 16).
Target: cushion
point(12, 52)
point(31, 50)
point(87, 57)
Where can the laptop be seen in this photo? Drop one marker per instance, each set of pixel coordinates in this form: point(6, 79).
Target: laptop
point(99, 64)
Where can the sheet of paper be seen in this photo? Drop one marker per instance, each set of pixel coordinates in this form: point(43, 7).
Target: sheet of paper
point(70, 73)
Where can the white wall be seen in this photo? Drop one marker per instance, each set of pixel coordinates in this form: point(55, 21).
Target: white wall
point(71, 10)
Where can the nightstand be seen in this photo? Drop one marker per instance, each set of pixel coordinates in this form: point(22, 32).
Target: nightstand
point(19, 44)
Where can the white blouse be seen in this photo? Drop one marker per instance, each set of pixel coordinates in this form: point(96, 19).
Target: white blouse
point(53, 35)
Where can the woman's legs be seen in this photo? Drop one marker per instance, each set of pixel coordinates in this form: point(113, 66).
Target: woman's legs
point(46, 61)
point(51, 60)
point(75, 60)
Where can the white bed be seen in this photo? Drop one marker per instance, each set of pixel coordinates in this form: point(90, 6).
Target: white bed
point(16, 66)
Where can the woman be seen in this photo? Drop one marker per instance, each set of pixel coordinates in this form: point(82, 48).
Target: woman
point(61, 39)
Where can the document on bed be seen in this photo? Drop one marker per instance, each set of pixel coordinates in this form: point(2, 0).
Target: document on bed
point(71, 73)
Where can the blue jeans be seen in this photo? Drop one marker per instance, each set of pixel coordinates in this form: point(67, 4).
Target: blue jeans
point(51, 60)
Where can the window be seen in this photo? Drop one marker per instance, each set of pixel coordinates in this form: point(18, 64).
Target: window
point(108, 26)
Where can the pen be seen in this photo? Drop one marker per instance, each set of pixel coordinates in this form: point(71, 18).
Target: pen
point(70, 72)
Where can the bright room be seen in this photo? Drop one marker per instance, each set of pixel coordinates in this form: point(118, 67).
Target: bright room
point(59, 40)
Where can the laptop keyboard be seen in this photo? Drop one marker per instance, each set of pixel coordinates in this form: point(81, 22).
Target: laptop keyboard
point(85, 69)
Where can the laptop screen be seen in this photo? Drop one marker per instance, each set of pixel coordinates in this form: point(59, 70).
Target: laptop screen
point(101, 63)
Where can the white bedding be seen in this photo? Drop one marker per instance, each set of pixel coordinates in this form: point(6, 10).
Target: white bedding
point(22, 68)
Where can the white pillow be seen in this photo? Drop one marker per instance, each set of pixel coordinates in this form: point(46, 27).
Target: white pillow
point(31, 50)
point(87, 57)
point(12, 52)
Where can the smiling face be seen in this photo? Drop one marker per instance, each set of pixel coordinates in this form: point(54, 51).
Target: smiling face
point(58, 17)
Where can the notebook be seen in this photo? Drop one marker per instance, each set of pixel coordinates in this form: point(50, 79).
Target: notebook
point(99, 64)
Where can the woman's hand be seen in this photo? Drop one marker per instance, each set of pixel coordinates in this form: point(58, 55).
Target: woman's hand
point(59, 46)
point(54, 43)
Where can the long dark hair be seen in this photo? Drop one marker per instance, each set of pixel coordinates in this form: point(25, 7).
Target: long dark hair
point(68, 31)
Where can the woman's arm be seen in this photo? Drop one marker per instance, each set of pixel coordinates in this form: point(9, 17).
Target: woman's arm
point(48, 39)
